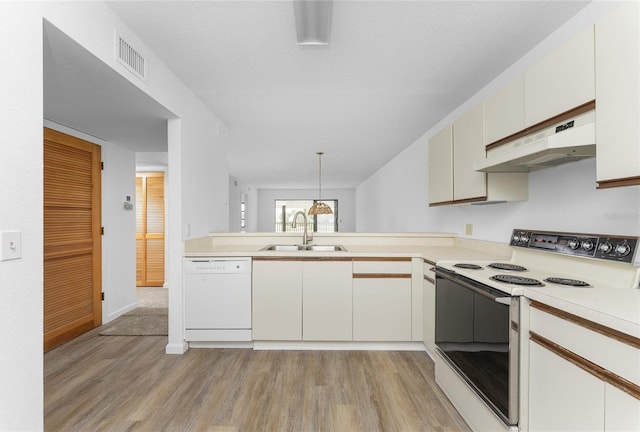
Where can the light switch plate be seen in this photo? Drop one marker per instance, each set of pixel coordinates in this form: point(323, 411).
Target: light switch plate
point(10, 245)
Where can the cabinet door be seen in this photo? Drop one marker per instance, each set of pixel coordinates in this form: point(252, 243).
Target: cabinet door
point(429, 312)
point(504, 111)
point(468, 148)
point(618, 96)
point(277, 300)
point(562, 397)
point(622, 410)
point(327, 301)
point(440, 174)
point(561, 81)
point(382, 309)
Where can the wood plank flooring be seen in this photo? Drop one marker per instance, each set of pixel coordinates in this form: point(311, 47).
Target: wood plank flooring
point(127, 383)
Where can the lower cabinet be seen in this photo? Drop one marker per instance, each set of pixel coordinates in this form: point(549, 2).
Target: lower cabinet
point(326, 301)
point(582, 375)
point(333, 300)
point(382, 299)
point(562, 397)
point(382, 309)
point(277, 300)
point(296, 300)
point(429, 305)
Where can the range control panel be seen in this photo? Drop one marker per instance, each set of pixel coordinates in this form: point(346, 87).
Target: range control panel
point(612, 248)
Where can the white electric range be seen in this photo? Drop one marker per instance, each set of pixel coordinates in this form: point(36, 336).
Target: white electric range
point(570, 260)
point(478, 304)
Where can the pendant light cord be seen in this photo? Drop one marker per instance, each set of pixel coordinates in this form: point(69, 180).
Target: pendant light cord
point(320, 176)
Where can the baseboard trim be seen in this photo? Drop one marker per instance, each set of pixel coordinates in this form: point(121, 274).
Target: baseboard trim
point(198, 344)
point(339, 346)
point(176, 348)
point(120, 312)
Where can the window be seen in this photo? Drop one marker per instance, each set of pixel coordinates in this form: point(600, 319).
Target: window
point(285, 209)
point(243, 216)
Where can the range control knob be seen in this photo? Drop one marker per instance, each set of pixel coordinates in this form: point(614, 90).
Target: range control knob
point(623, 249)
point(573, 244)
point(587, 245)
point(516, 238)
point(606, 247)
point(524, 238)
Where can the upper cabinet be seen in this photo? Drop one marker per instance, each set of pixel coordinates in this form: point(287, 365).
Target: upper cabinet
point(440, 175)
point(504, 111)
point(563, 80)
point(618, 97)
point(452, 154)
point(468, 148)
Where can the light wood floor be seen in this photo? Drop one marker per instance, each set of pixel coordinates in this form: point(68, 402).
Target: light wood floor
point(127, 383)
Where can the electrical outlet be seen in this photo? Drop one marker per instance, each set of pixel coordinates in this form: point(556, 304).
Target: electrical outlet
point(468, 229)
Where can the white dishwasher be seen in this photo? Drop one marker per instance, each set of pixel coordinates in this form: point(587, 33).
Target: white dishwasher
point(217, 299)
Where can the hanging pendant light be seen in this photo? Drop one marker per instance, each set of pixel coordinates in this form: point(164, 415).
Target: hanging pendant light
point(319, 207)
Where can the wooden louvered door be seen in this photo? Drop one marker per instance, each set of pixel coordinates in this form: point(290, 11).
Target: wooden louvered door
point(150, 229)
point(72, 238)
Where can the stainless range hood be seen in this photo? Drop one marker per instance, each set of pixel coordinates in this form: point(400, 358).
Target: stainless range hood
point(568, 141)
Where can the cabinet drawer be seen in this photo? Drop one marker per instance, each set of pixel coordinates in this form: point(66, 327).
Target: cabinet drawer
point(618, 357)
point(382, 266)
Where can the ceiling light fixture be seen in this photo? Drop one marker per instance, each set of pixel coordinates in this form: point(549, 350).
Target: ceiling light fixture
point(313, 19)
point(319, 207)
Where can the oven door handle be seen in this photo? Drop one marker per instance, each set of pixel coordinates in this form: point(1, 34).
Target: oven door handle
point(503, 300)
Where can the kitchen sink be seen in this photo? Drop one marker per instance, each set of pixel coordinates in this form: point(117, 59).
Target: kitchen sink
point(298, 248)
point(284, 248)
point(326, 248)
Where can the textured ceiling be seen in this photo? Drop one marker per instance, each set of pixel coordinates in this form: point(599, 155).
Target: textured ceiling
point(392, 70)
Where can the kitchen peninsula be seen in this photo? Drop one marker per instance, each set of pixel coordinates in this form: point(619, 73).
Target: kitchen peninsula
point(378, 291)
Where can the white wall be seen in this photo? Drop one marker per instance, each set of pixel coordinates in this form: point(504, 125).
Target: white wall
point(237, 190)
point(119, 240)
point(21, 291)
point(562, 198)
point(346, 205)
point(196, 194)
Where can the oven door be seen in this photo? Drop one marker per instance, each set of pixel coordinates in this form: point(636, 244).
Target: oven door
point(477, 334)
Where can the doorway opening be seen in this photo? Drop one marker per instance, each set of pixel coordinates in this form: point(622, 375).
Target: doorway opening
point(150, 227)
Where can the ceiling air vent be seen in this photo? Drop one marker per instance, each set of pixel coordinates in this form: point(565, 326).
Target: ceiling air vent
point(131, 59)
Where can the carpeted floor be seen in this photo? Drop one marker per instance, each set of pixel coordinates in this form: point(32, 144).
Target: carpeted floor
point(149, 319)
point(152, 297)
point(139, 322)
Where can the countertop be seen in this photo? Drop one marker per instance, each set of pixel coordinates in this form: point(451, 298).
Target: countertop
point(431, 254)
point(618, 309)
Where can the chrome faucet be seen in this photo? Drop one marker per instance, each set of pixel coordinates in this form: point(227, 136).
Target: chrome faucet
point(305, 237)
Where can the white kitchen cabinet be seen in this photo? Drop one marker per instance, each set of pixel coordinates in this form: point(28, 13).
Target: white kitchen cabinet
point(622, 411)
point(561, 81)
point(504, 111)
point(429, 306)
point(468, 148)
point(440, 174)
point(277, 300)
point(382, 300)
point(617, 59)
point(453, 152)
point(562, 397)
point(582, 375)
point(327, 301)
point(382, 309)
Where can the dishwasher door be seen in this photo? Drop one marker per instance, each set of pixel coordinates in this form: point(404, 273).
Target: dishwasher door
point(217, 299)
